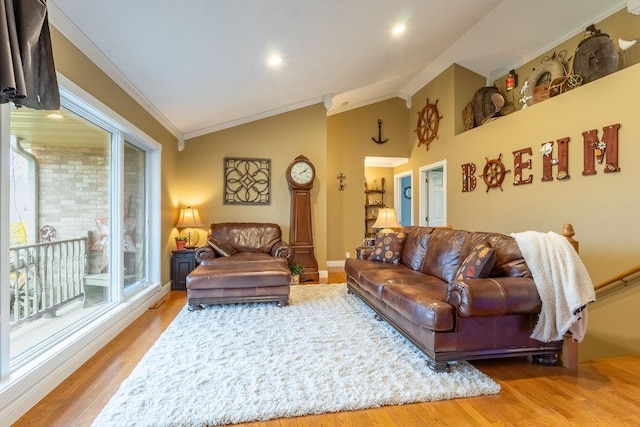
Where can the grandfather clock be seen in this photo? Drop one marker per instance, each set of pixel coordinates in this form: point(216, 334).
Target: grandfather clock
point(300, 176)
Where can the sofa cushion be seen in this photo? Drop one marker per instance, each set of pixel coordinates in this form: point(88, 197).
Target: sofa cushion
point(443, 253)
point(232, 275)
point(247, 236)
point(240, 258)
point(478, 264)
point(374, 276)
point(422, 303)
point(221, 247)
point(415, 247)
point(388, 247)
point(509, 261)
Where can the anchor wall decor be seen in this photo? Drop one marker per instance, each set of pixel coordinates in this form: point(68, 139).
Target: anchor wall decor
point(379, 140)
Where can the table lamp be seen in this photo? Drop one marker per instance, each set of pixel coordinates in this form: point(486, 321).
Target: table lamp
point(386, 221)
point(188, 219)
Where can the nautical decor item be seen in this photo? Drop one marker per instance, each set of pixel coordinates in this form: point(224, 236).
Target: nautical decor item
point(379, 140)
point(541, 77)
point(494, 172)
point(596, 56)
point(428, 122)
point(512, 80)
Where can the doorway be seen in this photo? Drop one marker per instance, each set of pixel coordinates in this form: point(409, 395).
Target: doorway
point(433, 192)
point(403, 197)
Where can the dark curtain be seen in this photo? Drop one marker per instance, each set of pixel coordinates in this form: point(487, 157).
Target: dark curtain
point(27, 73)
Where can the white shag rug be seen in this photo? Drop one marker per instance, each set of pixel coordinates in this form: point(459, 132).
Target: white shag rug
point(235, 363)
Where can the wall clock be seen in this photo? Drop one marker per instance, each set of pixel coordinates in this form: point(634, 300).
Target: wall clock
point(300, 175)
point(428, 123)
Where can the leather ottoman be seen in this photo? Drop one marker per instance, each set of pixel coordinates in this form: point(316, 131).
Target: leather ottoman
point(233, 282)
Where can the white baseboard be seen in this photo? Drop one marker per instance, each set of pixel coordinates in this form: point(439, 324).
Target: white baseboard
point(25, 387)
point(335, 263)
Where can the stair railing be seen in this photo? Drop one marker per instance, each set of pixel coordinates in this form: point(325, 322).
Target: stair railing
point(622, 277)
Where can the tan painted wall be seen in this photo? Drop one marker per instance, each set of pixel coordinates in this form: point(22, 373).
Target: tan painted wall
point(349, 142)
point(603, 208)
point(74, 65)
point(280, 138)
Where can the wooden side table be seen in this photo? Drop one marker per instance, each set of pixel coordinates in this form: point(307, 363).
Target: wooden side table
point(182, 263)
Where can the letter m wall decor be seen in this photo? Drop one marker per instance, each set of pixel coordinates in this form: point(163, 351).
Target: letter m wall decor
point(595, 150)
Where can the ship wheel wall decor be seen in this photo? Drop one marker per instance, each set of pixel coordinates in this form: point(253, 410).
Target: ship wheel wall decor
point(494, 172)
point(428, 122)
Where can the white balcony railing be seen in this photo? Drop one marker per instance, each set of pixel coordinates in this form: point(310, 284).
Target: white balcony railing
point(45, 276)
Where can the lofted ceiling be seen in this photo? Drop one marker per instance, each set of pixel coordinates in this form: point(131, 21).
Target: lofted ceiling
point(201, 65)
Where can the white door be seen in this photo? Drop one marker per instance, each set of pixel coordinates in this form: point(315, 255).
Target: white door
point(435, 198)
point(433, 194)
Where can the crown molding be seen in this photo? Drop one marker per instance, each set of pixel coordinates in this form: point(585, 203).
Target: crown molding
point(65, 25)
point(348, 107)
point(254, 117)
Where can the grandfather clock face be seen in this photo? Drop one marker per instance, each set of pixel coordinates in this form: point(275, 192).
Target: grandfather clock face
point(300, 175)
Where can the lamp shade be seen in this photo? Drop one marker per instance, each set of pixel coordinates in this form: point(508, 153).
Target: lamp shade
point(386, 220)
point(189, 217)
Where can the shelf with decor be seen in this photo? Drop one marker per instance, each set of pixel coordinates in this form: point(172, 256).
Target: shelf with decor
point(373, 200)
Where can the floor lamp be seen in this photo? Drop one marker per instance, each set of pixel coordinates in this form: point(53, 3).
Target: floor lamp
point(188, 219)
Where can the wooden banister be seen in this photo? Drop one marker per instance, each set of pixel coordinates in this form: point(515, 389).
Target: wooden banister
point(569, 355)
point(567, 231)
point(619, 278)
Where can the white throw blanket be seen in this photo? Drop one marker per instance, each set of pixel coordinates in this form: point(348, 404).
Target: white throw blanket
point(563, 283)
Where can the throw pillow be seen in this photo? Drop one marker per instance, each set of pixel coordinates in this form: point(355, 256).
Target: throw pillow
point(221, 247)
point(388, 247)
point(478, 263)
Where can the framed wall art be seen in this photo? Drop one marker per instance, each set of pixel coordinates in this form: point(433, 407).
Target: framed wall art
point(247, 181)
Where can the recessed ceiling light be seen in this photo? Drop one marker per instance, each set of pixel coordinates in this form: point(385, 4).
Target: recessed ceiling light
point(274, 60)
point(398, 29)
point(55, 115)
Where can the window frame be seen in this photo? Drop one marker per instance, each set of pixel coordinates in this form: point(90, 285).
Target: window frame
point(123, 306)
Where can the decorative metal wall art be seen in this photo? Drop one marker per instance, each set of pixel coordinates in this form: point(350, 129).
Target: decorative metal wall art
point(247, 181)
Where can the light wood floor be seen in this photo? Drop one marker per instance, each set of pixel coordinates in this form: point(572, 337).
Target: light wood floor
point(604, 392)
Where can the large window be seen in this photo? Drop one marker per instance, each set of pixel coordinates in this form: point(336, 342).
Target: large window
point(76, 199)
point(59, 197)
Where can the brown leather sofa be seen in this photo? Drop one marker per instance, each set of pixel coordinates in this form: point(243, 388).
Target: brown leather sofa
point(426, 297)
point(242, 262)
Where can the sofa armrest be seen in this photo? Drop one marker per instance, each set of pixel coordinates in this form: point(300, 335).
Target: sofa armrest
point(494, 296)
point(363, 252)
point(281, 249)
point(204, 254)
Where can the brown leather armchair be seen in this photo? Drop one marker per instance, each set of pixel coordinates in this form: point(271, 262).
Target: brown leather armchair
point(242, 262)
